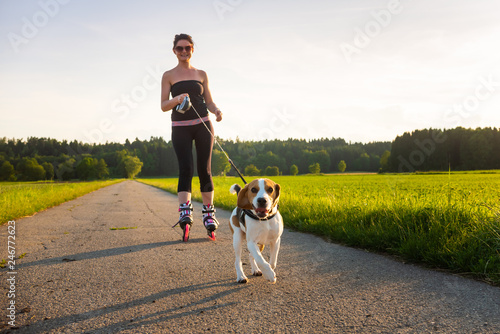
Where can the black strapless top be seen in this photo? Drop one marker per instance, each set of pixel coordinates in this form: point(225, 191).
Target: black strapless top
point(195, 90)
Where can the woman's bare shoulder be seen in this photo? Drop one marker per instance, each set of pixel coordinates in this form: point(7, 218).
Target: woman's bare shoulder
point(168, 75)
point(203, 75)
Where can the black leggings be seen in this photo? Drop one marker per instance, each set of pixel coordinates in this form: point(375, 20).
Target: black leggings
point(182, 139)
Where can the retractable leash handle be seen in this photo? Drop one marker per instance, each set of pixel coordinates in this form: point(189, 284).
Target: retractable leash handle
point(186, 99)
point(184, 105)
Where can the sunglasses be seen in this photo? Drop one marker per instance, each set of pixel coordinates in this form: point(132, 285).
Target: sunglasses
point(182, 48)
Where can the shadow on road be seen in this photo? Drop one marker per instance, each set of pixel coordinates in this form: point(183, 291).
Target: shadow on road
point(144, 318)
point(97, 254)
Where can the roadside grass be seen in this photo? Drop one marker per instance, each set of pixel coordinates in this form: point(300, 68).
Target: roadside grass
point(20, 199)
point(123, 228)
point(443, 220)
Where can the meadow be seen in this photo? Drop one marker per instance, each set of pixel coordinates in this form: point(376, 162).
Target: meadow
point(449, 221)
point(20, 199)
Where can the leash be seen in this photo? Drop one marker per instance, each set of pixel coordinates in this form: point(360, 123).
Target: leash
point(215, 139)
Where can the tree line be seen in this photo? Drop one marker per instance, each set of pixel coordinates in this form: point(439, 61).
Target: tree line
point(422, 150)
point(49, 159)
point(300, 156)
point(438, 150)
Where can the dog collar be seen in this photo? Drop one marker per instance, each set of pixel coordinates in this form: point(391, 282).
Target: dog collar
point(250, 214)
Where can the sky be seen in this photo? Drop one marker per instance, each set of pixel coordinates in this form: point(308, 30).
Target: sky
point(361, 70)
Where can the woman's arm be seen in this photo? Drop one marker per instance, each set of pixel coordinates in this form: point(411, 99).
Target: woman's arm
point(212, 107)
point(167, 103)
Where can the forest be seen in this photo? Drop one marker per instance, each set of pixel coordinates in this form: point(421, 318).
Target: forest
point(421, 150)
point(456, 149)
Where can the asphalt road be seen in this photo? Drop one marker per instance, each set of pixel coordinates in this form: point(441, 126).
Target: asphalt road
point(79, 276)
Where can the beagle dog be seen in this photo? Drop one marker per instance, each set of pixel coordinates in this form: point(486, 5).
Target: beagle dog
point(257, 219)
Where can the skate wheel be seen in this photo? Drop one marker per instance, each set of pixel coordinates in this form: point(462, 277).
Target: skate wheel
point(211, 235)
point(185, 236)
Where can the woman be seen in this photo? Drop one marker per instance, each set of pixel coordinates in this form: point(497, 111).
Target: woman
point(179, 82)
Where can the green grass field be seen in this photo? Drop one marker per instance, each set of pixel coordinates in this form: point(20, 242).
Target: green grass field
point(448, 221)
point(19, 199)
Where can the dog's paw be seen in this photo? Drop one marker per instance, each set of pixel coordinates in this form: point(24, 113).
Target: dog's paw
point(241, 278)
point(270, 275)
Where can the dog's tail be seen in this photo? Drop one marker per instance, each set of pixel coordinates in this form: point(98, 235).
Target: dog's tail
point(235, 189)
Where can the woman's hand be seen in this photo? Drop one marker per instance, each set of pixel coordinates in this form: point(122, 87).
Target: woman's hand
point(180, 98)
point(218, 115)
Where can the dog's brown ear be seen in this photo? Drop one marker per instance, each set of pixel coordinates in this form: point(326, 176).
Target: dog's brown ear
point(277, 189)
point(243, 201)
